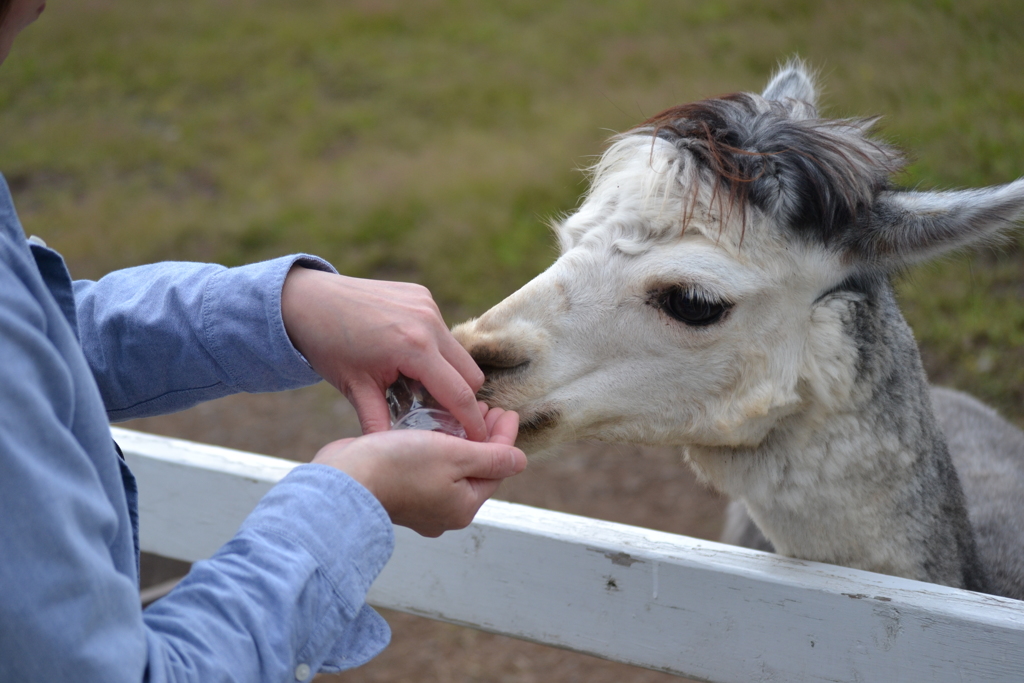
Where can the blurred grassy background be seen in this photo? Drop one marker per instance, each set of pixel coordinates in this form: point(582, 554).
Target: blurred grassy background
point(430, 140)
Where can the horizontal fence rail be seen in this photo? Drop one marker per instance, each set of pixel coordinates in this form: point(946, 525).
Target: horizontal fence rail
point(656, 600)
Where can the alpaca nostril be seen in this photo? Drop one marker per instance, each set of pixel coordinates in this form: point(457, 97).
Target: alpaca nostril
point(498, 379)
point(497, 361)
point(491, 370)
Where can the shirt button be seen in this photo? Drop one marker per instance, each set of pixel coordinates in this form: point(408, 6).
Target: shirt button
point(302, 672)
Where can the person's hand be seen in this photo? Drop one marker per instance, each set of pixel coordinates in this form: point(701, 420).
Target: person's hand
point(360, 334)
point(428, 481)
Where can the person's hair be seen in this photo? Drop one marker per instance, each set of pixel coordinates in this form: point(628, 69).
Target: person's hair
point(4, 6)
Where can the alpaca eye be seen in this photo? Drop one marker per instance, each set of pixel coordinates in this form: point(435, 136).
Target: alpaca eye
point(691, 307)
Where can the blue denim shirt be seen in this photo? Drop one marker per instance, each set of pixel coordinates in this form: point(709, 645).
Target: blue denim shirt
point(282, 600)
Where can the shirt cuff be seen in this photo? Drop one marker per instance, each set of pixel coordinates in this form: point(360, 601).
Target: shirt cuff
point(349, 534)
point(244, 327)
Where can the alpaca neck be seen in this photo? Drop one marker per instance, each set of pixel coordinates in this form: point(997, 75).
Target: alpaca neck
point(869, 484)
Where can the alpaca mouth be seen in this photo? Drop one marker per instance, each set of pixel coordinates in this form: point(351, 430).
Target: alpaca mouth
point(499, 382)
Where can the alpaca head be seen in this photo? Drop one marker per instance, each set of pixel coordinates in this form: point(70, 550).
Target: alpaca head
point(701, 287)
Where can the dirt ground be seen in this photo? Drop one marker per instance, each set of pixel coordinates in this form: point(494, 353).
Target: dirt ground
point(642, 486)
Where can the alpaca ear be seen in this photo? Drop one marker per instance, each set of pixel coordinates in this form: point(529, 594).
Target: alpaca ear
point(793, 81)
point(909, 227)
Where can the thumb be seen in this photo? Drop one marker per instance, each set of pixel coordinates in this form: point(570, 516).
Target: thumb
point(492, 461)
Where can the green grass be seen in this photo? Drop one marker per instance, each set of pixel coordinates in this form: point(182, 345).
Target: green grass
point(431, 141)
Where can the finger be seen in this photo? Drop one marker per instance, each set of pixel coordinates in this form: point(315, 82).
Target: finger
point(459, 358)
point(451, 391)
point(492, 461)
point(371, 408)
point(505, 428)
point(491, 417)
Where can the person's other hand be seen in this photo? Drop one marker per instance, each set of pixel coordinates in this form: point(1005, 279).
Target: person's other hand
point(360, 334)
point(428, 481)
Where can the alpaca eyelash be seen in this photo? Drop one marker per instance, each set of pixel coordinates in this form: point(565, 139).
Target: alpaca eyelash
point(691, 306)
point(657, 294)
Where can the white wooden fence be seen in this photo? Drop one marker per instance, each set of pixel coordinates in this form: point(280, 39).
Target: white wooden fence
point(651, 599)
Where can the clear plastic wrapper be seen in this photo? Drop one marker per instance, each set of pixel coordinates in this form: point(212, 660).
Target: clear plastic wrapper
point(412, 407)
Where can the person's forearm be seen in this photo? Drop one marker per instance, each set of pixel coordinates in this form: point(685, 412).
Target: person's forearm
point(286, 595)
point(163, 337)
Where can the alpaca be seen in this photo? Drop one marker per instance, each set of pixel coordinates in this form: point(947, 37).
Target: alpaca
point(724, 287)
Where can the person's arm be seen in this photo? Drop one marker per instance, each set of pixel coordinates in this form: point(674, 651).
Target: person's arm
point(430, 482)
point(163, 337)
point(283, 599)
point(288, 590)
point(324, 566)
point(290, 585)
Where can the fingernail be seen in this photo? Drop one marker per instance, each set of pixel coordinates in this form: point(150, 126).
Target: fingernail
point(518, 460)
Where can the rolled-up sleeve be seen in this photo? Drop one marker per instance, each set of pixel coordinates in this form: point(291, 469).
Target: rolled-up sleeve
point(286, 595)
point(166, 336)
